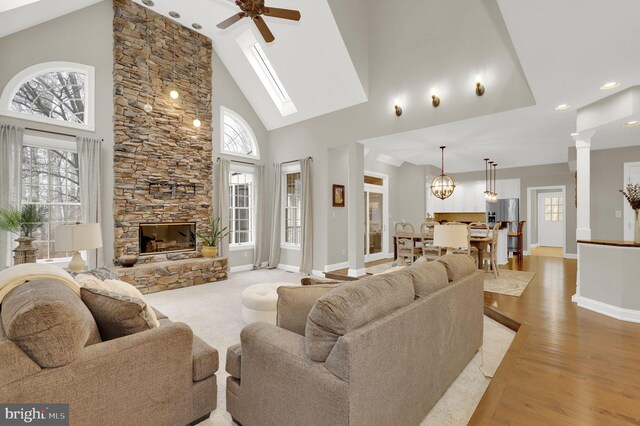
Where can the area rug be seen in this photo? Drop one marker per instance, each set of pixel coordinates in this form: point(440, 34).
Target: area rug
point(511, 283)
point(377, 269)
point(213, 311)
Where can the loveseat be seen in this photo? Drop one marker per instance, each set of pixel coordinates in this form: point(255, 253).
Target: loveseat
point(378, 351)
point(52, 352)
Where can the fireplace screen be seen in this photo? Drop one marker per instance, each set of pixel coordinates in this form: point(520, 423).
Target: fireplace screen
point(156, 238)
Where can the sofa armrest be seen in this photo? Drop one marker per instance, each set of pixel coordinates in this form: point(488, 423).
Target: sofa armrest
point(16, 364)
point(281, 385)
point(147, 376)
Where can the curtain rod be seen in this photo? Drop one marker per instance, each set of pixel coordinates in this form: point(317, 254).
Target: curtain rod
point(237, 161)
point(53, 133)
point(295, 161)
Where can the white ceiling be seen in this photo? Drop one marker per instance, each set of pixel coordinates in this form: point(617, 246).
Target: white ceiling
point(17, 15)
point(567, 50)
point(309, 56)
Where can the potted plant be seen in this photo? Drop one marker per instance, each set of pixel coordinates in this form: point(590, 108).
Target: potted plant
point(24, 222)
point(211, 238)
point(633, 197)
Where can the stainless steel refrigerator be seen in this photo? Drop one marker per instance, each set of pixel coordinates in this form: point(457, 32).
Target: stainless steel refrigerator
point(504, 210)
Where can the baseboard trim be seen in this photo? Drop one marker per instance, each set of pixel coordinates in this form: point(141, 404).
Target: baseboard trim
point(336, 266)
point(317, 273)
point(241, 268)
point(570, 256)
point(289, 268)
point(616, 312)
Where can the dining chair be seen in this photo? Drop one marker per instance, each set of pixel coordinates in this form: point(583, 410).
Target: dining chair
point(405, 234)
point(482, 230)
point(519, 251)
point(493, 250)
point(429, 250)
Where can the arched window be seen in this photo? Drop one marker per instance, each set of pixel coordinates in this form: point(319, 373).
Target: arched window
point(237, 137)
point(60, 93)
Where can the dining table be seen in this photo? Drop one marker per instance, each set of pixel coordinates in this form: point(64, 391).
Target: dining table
point(478, 239)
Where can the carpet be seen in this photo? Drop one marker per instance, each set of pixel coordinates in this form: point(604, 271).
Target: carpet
point(376, 269)
point(213, 311)
point(511, 283)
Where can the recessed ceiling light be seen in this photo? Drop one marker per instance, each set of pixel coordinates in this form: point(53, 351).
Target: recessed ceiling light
point(148, 3)
point(197, 26)
point(175, 15)
point(632, 123)
point(610, 85)
point(562, 107)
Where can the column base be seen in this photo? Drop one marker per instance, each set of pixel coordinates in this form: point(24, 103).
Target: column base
point(356, 272)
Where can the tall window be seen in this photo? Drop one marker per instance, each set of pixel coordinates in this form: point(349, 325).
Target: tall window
point(241, 208)
point(292, 215)
point(54, 92)
point(237, 138)
point(50, 179)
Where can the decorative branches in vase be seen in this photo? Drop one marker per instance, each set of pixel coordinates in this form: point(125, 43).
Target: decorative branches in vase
point(632, 195)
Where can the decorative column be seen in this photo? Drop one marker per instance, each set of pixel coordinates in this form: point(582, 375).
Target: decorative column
point(583, 182)
point(355, 205)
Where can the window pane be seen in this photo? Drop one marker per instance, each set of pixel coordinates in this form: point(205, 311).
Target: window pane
point(547, 201)
point(58, 95)
point(547, 217)
point(240, 207)
point(237, 137)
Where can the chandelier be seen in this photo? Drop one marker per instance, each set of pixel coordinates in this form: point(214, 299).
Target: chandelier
point(442, 186)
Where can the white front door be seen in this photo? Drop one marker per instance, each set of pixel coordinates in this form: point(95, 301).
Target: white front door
point(376, 220)
point(631, 175)
point(551, 218)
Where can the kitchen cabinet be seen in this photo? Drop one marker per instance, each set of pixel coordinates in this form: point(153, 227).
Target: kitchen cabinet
point(469, 196)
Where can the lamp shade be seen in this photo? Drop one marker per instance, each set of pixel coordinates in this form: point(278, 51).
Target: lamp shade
point(77, 237)
point(451, 236)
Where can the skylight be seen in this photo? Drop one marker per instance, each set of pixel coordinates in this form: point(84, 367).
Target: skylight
point(265, 71)
point(14, 4)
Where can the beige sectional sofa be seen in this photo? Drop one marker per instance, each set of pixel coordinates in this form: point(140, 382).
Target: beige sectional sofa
point(52, 352)
point(378, 351)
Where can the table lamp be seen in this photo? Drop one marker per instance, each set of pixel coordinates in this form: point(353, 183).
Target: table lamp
point(450, 236)
point(78, 237)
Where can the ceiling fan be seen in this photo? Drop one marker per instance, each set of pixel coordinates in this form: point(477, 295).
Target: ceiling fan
point(254, 9)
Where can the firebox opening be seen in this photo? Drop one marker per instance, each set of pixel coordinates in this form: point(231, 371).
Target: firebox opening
point(160, 238)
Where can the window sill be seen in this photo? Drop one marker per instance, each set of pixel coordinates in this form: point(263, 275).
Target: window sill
point(295, 247)
point(242, 247)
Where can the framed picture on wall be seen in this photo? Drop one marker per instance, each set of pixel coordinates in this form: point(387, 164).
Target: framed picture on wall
point(338, 195)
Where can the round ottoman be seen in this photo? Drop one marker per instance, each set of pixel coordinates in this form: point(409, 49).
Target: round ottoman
point(260, 302)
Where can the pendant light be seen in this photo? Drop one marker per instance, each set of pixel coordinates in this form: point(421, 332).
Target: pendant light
point(173, 93)
point(495, 173)
point(487, 193)
point(442, 186)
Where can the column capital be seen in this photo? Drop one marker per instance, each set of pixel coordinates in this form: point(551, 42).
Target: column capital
point(583, 139)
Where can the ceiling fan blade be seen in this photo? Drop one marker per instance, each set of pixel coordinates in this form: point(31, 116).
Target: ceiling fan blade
point(275, 12)
point(228, 22)
point(264, 30)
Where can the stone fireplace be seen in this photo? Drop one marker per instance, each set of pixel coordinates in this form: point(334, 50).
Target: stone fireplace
point(162, 163)
point(158, 238)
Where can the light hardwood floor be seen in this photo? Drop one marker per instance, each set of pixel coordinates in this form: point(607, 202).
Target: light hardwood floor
point(567, 365)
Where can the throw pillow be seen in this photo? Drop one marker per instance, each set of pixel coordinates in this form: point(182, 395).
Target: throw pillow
point(90, 281)
point(130, 290)
point(458, 265)
point(117, 315)
point(294, 304)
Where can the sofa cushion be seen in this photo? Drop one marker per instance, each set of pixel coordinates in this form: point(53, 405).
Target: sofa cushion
point(295, 303)
point(116, 315)
point(428, 277)
point(234, 360)
point(458, 265)
point(353, 305)
point(49, 322)
point(205, 360)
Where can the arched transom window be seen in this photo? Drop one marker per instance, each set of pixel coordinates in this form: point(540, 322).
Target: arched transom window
point(54, 92)
point(237, 137)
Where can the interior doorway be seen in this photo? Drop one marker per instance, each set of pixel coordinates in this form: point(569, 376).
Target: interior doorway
point(631, 175)
point(376, 210)
point(551, 217)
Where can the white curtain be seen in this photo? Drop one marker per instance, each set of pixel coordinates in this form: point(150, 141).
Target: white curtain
point(258, 190)
point(222, 208)
point(306, 263)
point(10, 182)
point(89, 155)
point(274, 252)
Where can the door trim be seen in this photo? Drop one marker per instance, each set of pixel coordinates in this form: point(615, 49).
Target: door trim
point(558, 188)
point(385, 253)
point(627, 212)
